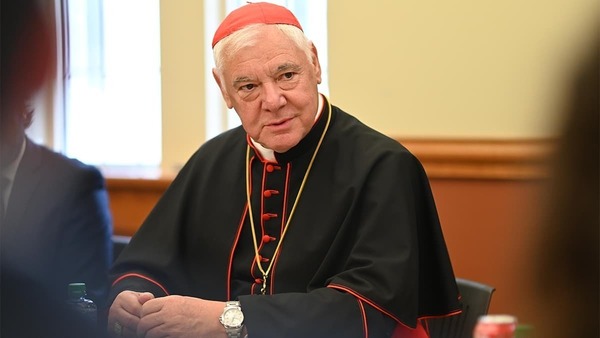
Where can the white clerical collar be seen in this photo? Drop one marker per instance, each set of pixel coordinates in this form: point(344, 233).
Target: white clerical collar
point(269, 154)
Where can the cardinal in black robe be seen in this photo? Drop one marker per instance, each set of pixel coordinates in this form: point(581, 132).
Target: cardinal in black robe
point(337, 236)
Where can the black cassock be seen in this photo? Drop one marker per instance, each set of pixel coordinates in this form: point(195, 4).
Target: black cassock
point(363, 253)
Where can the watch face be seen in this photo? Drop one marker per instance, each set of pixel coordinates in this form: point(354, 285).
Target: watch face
point(233, 317)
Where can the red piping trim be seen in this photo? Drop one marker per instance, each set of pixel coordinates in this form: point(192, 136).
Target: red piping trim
point(256, 152)
point(262, 207)
point(262, 211)
point(254, 265)
point(370, 302)
point(285, 197)
point(449, 314)
point(141, 277)
point(425, 325)
point(232, 250)
point(364, 318)
point(282, 226)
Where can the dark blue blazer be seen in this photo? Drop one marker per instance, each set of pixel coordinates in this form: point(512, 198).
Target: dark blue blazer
point(57, 227)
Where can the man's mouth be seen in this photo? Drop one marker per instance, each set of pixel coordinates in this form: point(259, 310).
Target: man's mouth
point(278, 123)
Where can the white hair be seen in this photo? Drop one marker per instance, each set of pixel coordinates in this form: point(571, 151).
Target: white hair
point(246, 37)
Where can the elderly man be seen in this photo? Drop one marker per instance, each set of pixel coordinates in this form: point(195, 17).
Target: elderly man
point(303, 222)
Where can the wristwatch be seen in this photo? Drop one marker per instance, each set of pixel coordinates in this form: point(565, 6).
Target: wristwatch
point(232, 319)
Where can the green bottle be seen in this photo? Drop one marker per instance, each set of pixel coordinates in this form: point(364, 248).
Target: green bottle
point(77, 299)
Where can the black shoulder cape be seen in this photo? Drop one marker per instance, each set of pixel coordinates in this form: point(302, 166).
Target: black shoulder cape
point(364, 246)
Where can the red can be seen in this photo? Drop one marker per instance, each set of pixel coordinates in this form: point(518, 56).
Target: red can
point(495, 326)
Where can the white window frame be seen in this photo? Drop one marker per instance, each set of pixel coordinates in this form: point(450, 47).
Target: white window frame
point(217, 117)
point(99, 104)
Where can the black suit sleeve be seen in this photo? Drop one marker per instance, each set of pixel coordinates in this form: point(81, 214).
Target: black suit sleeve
point(87, 246)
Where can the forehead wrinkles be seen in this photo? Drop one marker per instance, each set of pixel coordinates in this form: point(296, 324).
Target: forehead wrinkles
point(271, 68)
point(268, 44)
point(286, 67)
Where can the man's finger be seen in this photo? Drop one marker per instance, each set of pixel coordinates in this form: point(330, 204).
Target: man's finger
point(144, 297)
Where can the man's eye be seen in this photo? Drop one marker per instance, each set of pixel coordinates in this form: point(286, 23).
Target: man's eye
point(247, 87)
point(287, 76)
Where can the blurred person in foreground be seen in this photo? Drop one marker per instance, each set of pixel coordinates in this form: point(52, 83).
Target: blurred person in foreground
point(55, 222)
point(568, 252)
point(302, 222)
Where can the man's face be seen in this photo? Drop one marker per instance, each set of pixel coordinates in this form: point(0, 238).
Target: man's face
point(273, 88)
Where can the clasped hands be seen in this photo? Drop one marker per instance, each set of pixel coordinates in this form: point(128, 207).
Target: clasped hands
point(140, 314)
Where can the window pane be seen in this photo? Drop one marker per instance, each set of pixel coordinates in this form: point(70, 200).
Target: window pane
point(113, 94)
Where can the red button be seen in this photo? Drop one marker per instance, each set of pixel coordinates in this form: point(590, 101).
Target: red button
point(270, 168)
point(266, 217)
point(258, 281)
point(267, 238)
point(269, 193)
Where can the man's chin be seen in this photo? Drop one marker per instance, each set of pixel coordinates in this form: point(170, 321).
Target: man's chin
point(281, 145)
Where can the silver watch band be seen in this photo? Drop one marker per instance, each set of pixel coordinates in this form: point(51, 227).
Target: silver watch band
point(233, 332)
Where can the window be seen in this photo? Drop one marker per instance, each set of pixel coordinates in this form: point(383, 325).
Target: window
point(112, 80)
point(312, 15)
point(112, 95)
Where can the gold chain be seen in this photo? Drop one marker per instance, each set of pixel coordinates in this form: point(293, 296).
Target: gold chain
point(266, 272)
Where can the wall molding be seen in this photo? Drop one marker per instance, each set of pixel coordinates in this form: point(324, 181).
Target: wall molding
point(442, 159)
point(524, 159)
point(134, 192)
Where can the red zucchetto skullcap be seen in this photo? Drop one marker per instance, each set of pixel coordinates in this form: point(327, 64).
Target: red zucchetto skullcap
point(251, 13)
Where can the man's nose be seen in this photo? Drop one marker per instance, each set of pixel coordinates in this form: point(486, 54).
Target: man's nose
point(272, 97)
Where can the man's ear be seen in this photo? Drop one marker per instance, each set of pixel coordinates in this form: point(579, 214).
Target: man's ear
point(315, 62)
point(222, 88)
